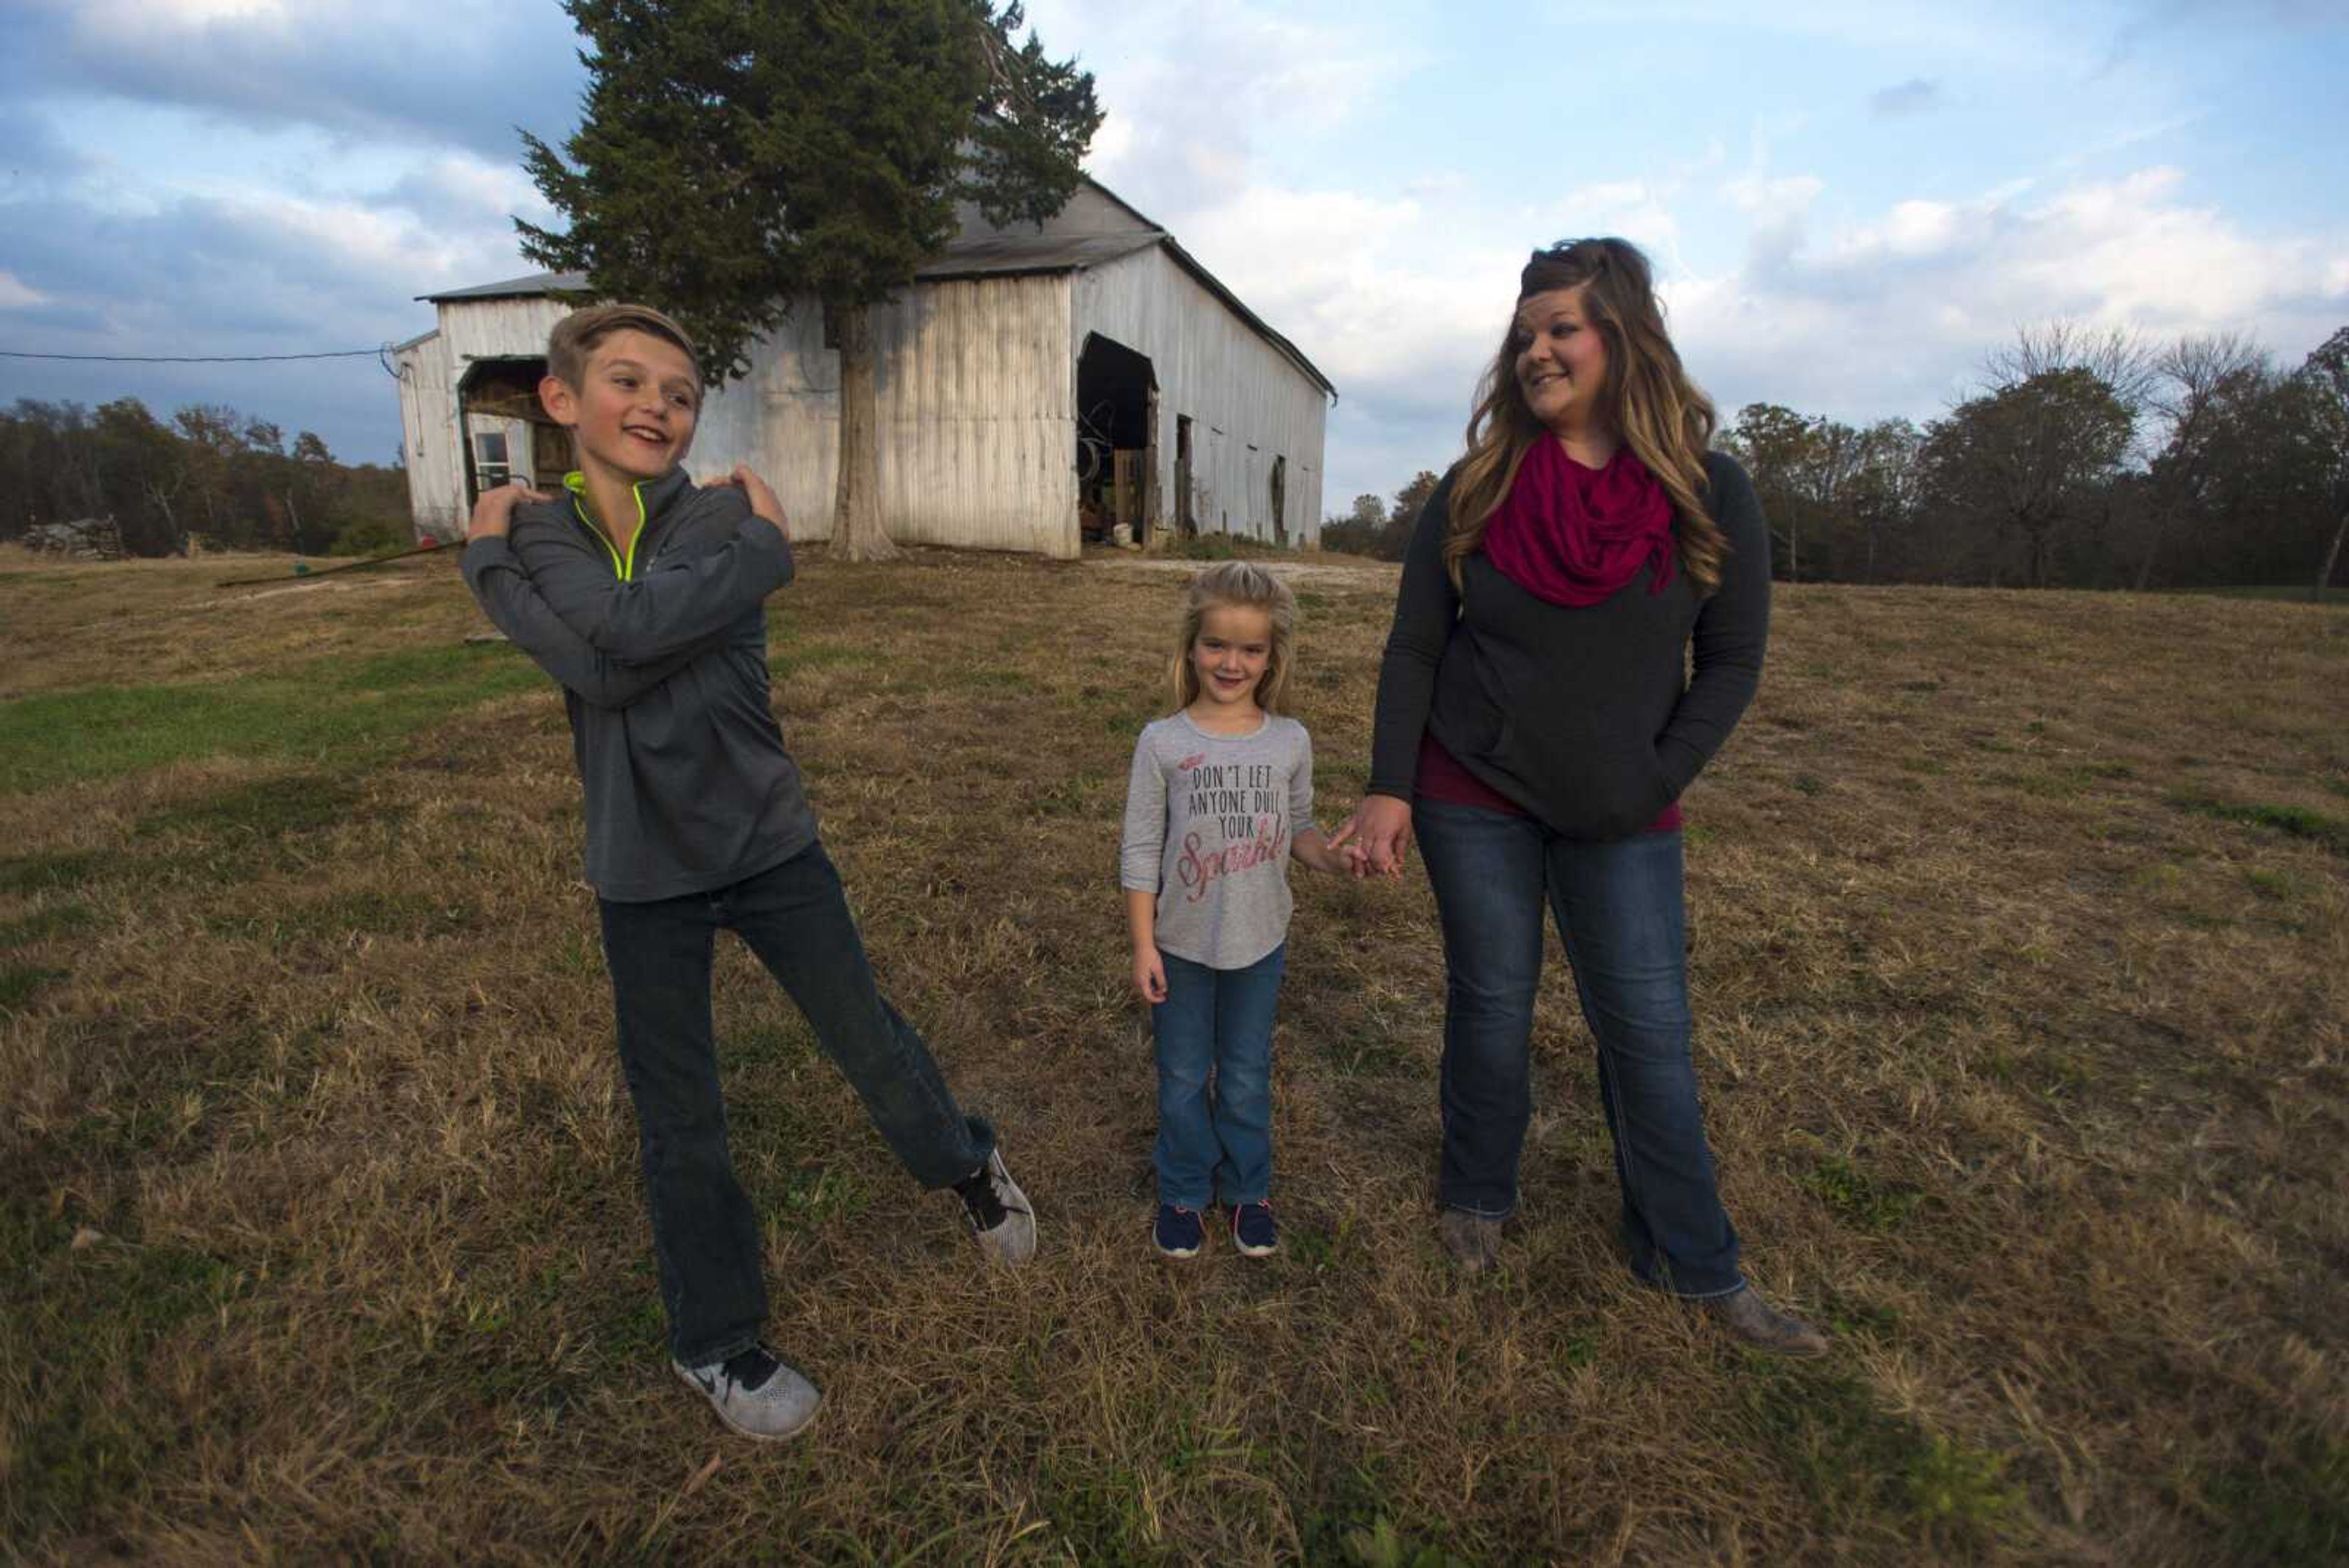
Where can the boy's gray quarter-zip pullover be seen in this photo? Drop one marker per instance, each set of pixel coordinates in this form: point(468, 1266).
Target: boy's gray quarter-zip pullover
point(662, 654)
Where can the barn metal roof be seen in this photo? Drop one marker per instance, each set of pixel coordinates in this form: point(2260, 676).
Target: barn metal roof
point(981, 255)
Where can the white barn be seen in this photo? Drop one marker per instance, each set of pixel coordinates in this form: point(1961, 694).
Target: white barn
point(1034, 386)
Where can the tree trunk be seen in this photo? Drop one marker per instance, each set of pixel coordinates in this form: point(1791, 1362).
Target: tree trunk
point(858, 532)
point(2332, 556)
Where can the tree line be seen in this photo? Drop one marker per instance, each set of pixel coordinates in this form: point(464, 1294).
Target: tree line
point(2082, 459)
point(209, 475)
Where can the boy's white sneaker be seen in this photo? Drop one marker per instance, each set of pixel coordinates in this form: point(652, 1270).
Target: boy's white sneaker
point(755, 1394)
point(1001, 1220)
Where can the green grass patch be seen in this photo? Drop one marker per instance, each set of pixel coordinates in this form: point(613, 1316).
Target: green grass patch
point(1380, 1545)
point(1205, 547)
point(2290, 1512)
point(41, 925)
point(357, 711)
point(18, 981)
point(85, 1323)
point(1858, 1199)
point(267, 809)
point(1079, 794)
point(1860, 1463)
point(2294, 821)
point(2278, 886)
point(50, 873)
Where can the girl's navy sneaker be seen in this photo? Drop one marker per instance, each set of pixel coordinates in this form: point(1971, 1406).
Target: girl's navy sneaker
point(1178, 1232)
point(1252, 1231)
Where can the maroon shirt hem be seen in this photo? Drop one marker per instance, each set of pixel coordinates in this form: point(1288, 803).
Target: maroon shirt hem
point(1442, 776)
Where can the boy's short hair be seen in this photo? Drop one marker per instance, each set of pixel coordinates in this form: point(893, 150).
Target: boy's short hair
point(575, 336)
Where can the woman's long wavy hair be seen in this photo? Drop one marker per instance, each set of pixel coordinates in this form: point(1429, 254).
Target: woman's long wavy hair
point(1648, 400)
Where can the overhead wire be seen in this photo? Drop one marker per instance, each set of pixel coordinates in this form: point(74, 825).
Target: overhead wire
point(374, 353)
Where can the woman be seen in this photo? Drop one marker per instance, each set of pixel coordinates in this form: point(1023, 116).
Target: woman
point(1535, 733)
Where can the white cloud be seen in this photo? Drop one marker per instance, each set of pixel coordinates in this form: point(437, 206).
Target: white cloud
point(1892, 313)
point(1196, 93)
point(16, 295)
point(119, 18)
point(1400, 299)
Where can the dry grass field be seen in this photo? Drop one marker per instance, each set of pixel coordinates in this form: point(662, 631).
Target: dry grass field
point(2022, 962)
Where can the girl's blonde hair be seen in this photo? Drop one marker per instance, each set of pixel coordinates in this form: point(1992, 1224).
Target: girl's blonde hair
point(1648, 400)
point(1247, 586)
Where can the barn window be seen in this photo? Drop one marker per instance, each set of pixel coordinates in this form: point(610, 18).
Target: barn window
point(493, 466)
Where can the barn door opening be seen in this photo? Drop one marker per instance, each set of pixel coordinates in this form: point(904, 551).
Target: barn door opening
point(1116, 396)
point(1279, 501)
point(507, 435)
point(1185, 522)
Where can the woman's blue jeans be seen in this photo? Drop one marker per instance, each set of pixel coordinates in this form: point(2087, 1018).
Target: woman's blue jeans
point(1618, 907)
point(1215, 1142)
point(796, 917)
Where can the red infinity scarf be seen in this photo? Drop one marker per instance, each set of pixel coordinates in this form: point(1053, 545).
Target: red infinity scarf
point(1575, 535)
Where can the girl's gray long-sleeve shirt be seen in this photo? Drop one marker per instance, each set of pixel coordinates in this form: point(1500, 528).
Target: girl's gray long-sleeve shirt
point(1209, 823)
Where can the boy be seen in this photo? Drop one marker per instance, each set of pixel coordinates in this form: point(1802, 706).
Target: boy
point(642, 594)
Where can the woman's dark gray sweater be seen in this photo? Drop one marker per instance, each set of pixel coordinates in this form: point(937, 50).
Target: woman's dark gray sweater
point(1586, 716)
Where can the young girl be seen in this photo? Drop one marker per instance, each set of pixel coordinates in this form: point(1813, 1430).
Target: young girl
point(1221, 796)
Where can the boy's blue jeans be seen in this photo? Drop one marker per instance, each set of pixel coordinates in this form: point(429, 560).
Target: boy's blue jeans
point(1618, 907)
point(1215, 1142)
point(796, 917)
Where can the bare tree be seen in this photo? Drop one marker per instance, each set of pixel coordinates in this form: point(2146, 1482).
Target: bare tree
point(2328, 368)
point(2119, 357)
point(2191, 380)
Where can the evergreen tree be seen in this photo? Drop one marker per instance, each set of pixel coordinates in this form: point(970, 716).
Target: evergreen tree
point(733, 154)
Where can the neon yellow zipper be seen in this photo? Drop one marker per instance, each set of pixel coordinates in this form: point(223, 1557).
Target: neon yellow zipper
point(624, 565)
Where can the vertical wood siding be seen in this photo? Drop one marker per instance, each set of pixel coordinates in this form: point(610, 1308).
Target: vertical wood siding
point(427, 440)
point(978, 432)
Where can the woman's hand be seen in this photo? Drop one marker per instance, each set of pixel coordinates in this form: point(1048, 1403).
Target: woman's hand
point(1149, 974)
point(1320, 854)
point(1382, 826)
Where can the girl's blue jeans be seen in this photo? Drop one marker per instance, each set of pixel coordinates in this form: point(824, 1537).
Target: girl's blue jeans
point(1619, 911)
point(796, 917)
point(1215, 1138)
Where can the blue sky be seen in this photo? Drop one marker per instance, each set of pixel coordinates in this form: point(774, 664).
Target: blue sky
point(1849, 202)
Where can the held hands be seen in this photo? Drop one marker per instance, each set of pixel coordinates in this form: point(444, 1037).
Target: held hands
point(1149, 972)
point(1326, 855)
point(493, 512)
point(1377, 837)
point(762, 496)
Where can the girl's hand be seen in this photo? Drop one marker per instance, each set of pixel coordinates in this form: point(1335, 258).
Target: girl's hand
point(1323, 854)
point(1382, 824)
point(1149, 974)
